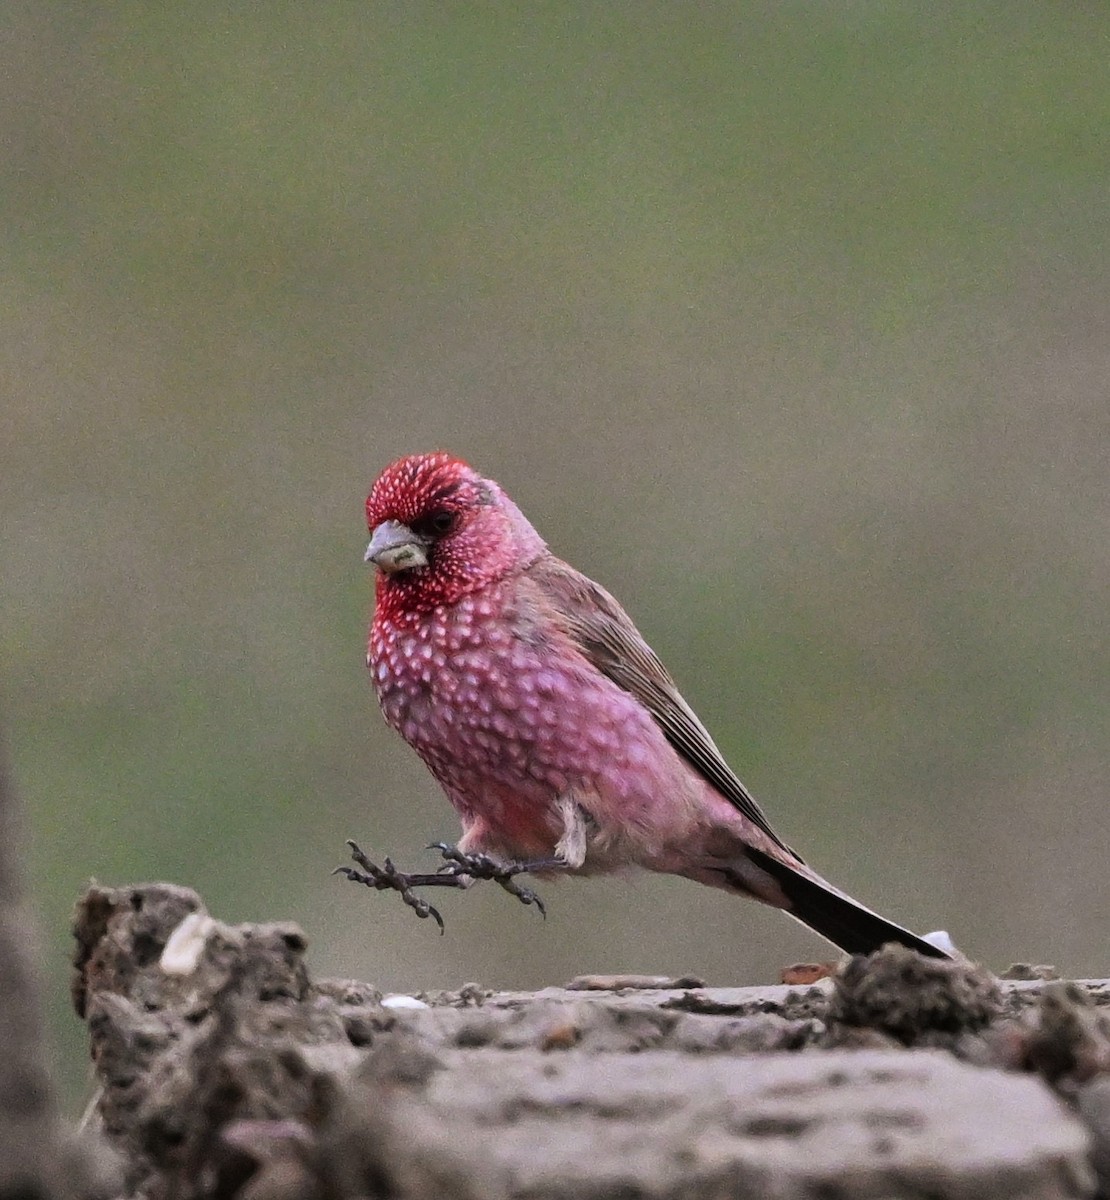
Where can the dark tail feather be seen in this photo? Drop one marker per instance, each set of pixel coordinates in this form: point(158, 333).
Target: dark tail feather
point(844, 921)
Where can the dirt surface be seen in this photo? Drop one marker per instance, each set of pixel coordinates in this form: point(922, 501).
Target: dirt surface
point(40, 1158)
point(223, 1070)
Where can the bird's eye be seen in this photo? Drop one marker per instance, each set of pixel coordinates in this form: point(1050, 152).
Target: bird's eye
point(440, 522)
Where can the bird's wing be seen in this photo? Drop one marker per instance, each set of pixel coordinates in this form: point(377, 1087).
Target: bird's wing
point(607, 638)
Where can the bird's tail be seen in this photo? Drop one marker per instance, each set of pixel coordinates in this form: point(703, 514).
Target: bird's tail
point(835, 916)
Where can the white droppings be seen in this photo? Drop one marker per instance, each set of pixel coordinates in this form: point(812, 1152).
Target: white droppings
point(185, 946)
point(404, 1002)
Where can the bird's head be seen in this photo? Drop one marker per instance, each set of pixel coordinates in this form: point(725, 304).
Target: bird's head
point(439, 531)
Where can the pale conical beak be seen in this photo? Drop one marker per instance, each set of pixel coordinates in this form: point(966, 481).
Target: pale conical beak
point(394, 547)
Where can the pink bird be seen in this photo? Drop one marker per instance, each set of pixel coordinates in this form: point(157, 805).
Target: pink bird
point(557, 734)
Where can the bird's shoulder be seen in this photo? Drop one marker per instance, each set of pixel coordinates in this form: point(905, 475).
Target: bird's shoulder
point(592, 617)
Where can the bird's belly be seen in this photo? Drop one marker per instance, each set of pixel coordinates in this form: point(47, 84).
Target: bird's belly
point(509, 737)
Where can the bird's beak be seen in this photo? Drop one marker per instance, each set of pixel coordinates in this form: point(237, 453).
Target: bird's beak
point(394, 547)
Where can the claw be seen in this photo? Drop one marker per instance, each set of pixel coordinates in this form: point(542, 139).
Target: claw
point(423, 909)
point(524, 895)
point(388, 877)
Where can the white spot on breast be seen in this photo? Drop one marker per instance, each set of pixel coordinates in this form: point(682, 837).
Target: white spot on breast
point(636, 753)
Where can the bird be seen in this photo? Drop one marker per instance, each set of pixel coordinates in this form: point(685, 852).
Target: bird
point(561, 740)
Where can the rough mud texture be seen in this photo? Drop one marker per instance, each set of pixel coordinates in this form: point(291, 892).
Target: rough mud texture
point(40, 1159)
point(224, 1071)
point(26, 1104)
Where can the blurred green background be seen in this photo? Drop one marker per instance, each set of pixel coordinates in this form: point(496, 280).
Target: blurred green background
point(786, 321)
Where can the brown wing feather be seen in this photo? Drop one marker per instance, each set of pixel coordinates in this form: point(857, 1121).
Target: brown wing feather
point(606, 636)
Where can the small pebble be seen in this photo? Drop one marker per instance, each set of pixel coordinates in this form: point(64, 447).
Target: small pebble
point(802, 974)
point(403, 1002)
point(616, 983)
point(1028, 971)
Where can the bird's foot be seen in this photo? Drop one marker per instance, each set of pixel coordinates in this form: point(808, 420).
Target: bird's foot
point(480, 866)
point(459, 870)
point(387, 877)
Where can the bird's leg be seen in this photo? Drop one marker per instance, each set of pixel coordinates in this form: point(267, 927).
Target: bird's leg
point(387, 877)
point(481, 866)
